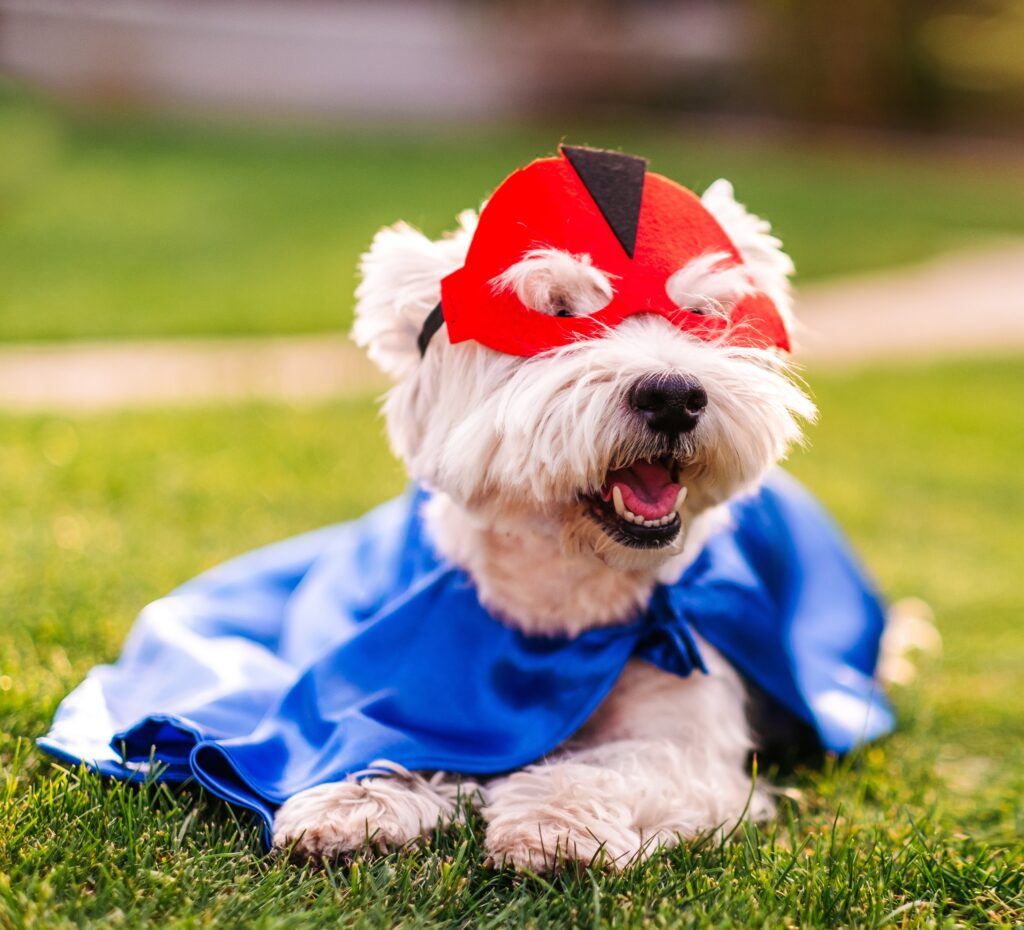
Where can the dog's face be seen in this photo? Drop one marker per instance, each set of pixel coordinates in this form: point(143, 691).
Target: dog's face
point(615, 443)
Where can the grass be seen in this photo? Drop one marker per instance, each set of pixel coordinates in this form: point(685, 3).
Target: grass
point(119, 227)
point(921, 830)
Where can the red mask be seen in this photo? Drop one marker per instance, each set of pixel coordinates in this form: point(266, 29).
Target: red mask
point(638, 227)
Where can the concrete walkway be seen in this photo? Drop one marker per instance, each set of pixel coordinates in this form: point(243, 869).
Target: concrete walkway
point(964, 303)
point(84, 376)
point(960, 304)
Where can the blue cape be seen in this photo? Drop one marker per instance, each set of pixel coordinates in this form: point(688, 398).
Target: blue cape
point(306, 661)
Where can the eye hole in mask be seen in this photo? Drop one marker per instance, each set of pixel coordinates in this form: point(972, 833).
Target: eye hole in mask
point(557, 283)
point(709, 285)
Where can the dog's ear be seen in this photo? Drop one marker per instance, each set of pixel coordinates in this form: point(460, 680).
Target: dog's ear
point(400, 284)
point(768, 265)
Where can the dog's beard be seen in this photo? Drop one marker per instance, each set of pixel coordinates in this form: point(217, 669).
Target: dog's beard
point(550, 442)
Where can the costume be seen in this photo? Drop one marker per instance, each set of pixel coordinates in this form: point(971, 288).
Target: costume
point(308, 660)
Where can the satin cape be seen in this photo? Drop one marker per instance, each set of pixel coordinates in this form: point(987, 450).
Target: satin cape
point(306, 661)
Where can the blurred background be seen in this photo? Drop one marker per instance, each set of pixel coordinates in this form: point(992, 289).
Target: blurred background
point(170, 167)
point(906, 64)
point(185, 189)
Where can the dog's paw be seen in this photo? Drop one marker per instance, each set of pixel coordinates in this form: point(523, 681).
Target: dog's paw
point(910, 632)
point(615, 805)
point(549, 840)
point(548, 816)
point(377, 812)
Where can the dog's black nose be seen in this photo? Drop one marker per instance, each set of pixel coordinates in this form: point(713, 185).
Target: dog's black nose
point(671, 404)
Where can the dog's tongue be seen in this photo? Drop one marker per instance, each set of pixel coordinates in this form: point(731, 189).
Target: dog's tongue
point(647, 489)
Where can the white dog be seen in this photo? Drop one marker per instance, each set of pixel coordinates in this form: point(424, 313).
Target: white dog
point(522, 455)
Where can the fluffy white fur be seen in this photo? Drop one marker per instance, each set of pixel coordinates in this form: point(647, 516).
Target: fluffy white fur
point(710, 284)
point(767, 264)
point(508, 445)
point(367, 810)
point(557, 283)
point(401, 284)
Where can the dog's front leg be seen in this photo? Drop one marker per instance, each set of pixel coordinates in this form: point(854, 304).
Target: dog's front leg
point(663, 759)
point(381, 812)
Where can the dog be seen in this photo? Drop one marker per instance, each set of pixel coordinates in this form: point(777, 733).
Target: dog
point(596, 600)
point(568, 484)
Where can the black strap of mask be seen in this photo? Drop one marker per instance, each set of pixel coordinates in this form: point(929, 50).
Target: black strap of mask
point(431, 325)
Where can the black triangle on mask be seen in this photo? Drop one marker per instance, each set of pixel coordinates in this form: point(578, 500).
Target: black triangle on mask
point(616, 182)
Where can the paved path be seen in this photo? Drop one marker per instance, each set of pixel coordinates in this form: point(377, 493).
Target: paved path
point(85, 376)
point(963, 303)
point(968, 302)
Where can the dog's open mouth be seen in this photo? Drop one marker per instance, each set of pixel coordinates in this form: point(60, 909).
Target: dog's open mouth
point(639, 505)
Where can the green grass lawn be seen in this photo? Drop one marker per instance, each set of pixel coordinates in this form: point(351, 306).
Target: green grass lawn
point(131, 227)
point(922, 830)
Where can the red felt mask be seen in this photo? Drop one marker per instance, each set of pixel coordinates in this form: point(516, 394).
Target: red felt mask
point(638, 227)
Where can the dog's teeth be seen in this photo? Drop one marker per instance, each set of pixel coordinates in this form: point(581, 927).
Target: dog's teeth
point(626, 514)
